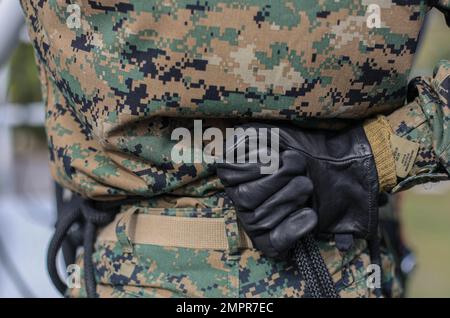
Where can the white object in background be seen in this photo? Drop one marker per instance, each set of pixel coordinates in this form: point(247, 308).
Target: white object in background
point(11, 22)
point(24, 242)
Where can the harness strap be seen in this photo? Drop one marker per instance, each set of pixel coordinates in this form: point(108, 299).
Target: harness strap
point(173, 231)
point(208, 233)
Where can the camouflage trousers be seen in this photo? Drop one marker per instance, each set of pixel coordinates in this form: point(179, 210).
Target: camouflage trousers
point(149, 270)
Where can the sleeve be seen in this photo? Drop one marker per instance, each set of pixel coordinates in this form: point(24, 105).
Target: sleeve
point(412, 145)
point(425, 121)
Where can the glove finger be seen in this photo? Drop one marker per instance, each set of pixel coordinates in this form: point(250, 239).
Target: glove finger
point(234, 173)
point(262, 242)
point(292, 228)
point(249, 195)
point(289, 199)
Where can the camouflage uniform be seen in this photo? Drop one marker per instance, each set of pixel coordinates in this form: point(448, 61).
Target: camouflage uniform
point(116, 86)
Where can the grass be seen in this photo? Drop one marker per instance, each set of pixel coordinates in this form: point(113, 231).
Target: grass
point(427, 228)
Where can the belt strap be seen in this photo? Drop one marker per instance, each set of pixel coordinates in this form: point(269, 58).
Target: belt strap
point(175, 231)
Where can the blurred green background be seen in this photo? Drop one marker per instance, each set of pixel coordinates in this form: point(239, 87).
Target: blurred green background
point(426, 218)
point(425, 209)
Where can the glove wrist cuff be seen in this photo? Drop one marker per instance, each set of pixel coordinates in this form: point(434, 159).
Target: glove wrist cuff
point(378, 132)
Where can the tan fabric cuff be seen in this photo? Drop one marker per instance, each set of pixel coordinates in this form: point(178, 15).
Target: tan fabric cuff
point(378, 132)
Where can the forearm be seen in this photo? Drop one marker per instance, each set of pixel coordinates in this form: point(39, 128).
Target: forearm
point(422, 128)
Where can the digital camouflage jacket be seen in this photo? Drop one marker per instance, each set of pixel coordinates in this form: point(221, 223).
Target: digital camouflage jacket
point(119, 76)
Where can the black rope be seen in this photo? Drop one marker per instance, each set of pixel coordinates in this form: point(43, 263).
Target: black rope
point(305, 267)
point(323, 274)
point(65, 221)
point(94, 214)
point(313, 269)
point(93, 219)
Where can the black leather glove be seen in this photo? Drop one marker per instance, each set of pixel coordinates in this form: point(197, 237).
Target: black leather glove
point(272, 208)
point(327, 181)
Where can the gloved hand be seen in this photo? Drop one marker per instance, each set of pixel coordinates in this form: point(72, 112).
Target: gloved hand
point(327, 181)
point(272, 208)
